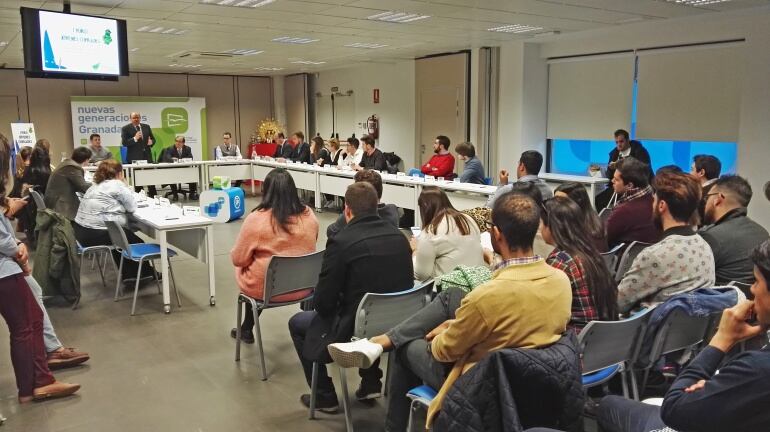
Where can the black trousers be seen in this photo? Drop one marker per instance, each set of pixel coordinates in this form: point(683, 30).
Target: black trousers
point(192, 187)
point(151, 191)
point(96, 237)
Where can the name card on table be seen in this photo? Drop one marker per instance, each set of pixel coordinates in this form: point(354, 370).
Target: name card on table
point(191, 211)
point(164, 202)
point(139, 162)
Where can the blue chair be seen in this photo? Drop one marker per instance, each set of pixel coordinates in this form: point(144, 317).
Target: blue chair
point(139, 253)
point(488, 181)
point(421, 398)
point(123, 154)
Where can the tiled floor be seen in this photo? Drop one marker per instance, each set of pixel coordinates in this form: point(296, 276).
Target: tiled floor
point(156, 372)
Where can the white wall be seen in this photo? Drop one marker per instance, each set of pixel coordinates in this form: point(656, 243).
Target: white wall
point(396, 109)
point(754, 26)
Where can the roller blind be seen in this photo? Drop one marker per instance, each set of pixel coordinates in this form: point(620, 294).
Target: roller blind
point(590, 98)
point(690, 95)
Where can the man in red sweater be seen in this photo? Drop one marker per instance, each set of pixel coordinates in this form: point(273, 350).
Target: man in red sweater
point(442, 164)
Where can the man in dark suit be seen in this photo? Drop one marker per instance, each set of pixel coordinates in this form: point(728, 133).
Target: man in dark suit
point(284, 149)
point(624, 147)
point(301, 148)
point(368, 255)
point(171, 154)
point(138, 139)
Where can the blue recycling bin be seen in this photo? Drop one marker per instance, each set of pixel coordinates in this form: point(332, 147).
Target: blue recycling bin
point(223, 205)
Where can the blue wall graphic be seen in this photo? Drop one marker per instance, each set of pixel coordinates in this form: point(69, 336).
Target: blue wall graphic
point(48, 56)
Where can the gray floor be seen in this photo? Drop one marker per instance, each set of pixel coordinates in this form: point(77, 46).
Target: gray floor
point(156, 372)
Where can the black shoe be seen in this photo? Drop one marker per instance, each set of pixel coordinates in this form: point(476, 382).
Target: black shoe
point(194, 196)
point(369, 392)
point(326, 405)
point(246, 336)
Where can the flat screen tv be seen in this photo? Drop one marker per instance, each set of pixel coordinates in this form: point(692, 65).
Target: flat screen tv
point(67, 45)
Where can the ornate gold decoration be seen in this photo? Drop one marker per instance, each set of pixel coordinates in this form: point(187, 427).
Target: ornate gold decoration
point(268, 129)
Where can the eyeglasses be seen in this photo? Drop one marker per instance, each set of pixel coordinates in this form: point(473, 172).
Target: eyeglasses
point(712, 193)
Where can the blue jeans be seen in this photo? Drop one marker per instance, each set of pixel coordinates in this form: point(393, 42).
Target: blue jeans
point(52, 342)
point(618, 414)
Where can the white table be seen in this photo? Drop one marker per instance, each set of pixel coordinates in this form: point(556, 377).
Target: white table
point(166, 173)
point(234, 169)
point(590, 183)
point(193, 235)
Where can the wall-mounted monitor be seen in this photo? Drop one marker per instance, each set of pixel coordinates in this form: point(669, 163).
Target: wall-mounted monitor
point(66, 45)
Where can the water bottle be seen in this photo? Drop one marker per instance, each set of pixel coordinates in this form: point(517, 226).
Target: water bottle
point(253, 155)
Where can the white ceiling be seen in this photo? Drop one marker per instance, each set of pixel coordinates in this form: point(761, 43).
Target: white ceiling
point(453, 25)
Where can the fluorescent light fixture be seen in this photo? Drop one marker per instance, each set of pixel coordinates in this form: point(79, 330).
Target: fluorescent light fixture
point(185, 66)
point(514, 28)
point(397, 17)
point(134, 49)
point(365, 45)
point(697, 2)
point(308, 62)
point(243, 52)
point(3, 43)
point(268, 69)
point(239, 3)
point(162, 30)
point(294, 40)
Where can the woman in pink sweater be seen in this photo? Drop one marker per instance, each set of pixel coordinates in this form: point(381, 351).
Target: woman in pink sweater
point(280, 225)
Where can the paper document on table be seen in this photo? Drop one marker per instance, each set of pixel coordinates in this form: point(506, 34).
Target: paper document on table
point(486, 241)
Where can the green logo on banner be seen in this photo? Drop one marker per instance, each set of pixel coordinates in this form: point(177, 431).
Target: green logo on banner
point(107, 37)
point(174, 119)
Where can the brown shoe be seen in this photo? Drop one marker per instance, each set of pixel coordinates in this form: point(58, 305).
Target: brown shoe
point(55, 390)
point(65, 358)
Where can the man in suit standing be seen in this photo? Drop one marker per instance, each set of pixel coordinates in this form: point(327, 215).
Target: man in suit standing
point(179, 151)
point(368, 255)
point(138, 139)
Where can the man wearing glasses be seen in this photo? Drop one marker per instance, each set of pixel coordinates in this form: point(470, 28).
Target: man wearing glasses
point(227, 148)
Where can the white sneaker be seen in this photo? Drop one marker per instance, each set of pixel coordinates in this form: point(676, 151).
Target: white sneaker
point(358, 354)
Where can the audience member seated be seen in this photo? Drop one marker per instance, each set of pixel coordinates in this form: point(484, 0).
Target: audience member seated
point(284, 150)
point(22, 162)
point(729, 231)
point(456, 330)
point(387, 212)
point(372, 157)
point(279, 225)
point(706, 169)
point(108, 199)
point(441, 164)
point(19, 307)
point(227, 148)
point(178, 151)
point(624, 148)
point(594, 293)
point(594, 226)
point(354, 153)
point(35, 176)
point(682, 260)
point(369, 255)
point(67, 180)
point(336, 156)
point(448, 238)
point(669, 168)
point(98, 152)
point(318, 154)
point(473, 172)
point(631, 219)
point(706, 397)
point(301, 152)
point(529, 166)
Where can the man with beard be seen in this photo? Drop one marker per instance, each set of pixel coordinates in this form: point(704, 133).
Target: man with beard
point(729, 231)
point(631, 219)
point(442, 163)
point(682, 260)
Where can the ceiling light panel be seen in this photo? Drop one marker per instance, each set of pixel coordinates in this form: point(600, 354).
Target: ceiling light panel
point(294, 40)
point(161, 30)
point(397, 17)
point(185, 66)
point(365, 45)
point(268, 69)
point(243, 52)
point(514, 28)
point(697, 2)
point(308, 62)
point(239, 3)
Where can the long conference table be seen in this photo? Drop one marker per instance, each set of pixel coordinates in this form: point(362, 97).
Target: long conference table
point(398, 189)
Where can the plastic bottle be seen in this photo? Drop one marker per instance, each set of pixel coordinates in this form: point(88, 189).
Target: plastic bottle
point(253, 155)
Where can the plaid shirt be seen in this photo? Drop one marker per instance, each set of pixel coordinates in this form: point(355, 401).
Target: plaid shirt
point(635, 193)
point(583, 308)
point(517, 261)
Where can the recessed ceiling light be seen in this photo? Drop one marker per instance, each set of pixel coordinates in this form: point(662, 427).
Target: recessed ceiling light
point(3, 43)
point(365, 45)
point(239, 3)
point(294, 40)
point(134, 49)
point(697, 2)
point(268, 69)
point(308, 62)
point(514, 28)
point(185, 66)
point(397, 17)
point(243, 52)
point(161, 30)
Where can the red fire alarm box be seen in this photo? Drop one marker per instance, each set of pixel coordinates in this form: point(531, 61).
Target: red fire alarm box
point(376, 96)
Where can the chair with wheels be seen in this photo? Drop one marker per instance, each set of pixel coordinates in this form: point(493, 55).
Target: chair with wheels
point(139, 253)
point(284, 275)
point(376, 314)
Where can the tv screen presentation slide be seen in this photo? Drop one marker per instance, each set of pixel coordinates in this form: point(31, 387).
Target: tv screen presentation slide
point(79, 44)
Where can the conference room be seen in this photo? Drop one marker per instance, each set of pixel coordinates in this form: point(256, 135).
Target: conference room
point(327, 215)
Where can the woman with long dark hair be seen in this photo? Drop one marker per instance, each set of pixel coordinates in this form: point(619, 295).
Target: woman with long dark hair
point(19, 308)
point(577, 192)
point(279, 225)
point(318, 153)
point(594, 292)
point(448, 238)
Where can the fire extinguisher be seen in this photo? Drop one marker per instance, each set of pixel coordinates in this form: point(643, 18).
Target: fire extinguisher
point(373, 126)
